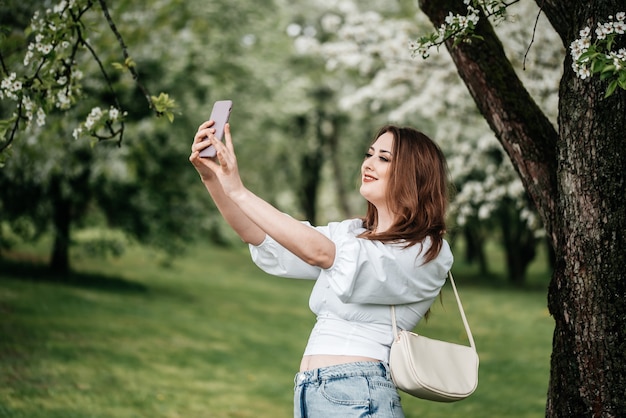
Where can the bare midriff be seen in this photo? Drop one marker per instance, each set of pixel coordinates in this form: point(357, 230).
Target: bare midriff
point(322, 360)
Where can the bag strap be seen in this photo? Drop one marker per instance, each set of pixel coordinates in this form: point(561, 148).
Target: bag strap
point(458, 301)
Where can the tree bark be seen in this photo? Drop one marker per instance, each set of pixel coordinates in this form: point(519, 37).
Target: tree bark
point(587, 296)
point(576, 179)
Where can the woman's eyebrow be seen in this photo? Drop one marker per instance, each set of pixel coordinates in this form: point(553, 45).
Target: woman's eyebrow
point(381, 151)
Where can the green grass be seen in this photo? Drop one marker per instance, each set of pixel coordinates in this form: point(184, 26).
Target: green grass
point(212, 336)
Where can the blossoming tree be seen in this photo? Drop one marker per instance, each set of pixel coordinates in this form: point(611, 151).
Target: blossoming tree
point(573, 173)
point(50, 77)
point(70, 90)
point(389, 85)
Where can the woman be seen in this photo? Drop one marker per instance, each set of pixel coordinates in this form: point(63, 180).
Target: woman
point(395, 255)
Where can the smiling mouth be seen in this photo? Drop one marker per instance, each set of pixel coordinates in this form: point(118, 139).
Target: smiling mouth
point(368, 178)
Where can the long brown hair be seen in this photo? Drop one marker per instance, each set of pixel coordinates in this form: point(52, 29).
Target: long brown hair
point(418, 192)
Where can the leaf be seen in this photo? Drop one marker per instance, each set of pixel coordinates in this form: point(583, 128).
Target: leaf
point(609, 41)
point(4, 126)
point(611, 89)
point(163, 104)
point(597, 66)
point(589, 55)
point(607, 72)
point(608, 68)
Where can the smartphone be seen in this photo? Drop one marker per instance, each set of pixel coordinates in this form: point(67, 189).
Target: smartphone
point(220, 114)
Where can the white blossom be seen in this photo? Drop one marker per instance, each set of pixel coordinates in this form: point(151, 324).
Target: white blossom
point(330, 22)
point(41, 117)
point(93, 117)
point(114, 113)
point(63, 101)
point(27, 57)
point(27, 103)
point(77, 131)
point(603, 30)
point(10, 86)
point(60, 7)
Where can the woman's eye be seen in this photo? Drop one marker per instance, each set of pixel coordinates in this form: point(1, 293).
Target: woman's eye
point(367, 155)
point(385, 159)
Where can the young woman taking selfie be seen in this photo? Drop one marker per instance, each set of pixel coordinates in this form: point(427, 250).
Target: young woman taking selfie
point(394, 255)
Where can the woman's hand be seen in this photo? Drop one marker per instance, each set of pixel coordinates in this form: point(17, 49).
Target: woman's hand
point(201, 141)
point(223, 166)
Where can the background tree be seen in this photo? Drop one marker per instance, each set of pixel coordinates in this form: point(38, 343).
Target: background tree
point(366, 47)
point(285, 121)
point(52, 177)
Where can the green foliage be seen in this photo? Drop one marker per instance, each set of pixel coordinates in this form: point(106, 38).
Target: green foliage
point(164, 105)
point(597, 56)
point(289, 124)
point(45, 69)
point(213, 336)
point(147, 186)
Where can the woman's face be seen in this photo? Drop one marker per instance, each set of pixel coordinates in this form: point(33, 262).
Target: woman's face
point(375, 170)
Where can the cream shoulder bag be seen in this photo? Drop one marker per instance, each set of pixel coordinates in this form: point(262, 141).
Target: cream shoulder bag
point(432, 369)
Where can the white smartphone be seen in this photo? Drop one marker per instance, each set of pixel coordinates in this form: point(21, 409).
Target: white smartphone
point(220, 114)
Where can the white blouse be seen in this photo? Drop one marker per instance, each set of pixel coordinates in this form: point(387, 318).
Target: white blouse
point(351, 298)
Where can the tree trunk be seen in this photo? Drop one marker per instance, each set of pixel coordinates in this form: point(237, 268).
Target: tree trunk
point(587, 296)
point(310, 163)
point(311, 166)
point(61, 220)
point(475, 247)
point(336, 160)
point(518, 241)
point(576, 179)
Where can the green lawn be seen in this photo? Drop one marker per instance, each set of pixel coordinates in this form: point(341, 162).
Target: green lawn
point(213, 336)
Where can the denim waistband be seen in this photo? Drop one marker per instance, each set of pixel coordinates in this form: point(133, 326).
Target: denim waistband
point(361, 368)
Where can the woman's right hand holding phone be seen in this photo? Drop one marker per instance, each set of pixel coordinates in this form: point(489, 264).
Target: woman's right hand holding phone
point(202, 140)
point(224, 165)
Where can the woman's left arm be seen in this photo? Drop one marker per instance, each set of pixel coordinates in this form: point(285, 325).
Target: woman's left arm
point(305, 242)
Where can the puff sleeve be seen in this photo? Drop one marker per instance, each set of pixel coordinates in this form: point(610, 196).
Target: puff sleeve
point(273, 258)
point(367, 271)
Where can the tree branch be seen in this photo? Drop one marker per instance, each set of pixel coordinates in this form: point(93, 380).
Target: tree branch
point(109, 84)
point(532, 40)
point(524, 131)
point(127, 57)
point(561, 15)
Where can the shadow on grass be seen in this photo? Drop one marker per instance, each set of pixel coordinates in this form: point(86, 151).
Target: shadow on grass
point(38, 272)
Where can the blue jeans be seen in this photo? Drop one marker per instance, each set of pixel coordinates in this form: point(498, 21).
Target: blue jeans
point(362, 389)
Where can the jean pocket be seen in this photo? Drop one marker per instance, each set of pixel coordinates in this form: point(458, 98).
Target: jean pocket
point(346, 391)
